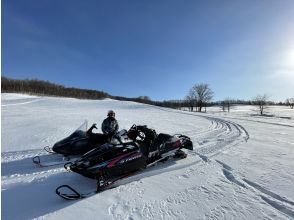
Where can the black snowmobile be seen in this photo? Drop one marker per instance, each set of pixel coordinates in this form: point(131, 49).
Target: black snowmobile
point(78, 143)
point(127, 153)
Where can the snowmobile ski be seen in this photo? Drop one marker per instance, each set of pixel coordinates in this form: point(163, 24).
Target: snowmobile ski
point(49, 150)
point(75, 195)
point(37, 160)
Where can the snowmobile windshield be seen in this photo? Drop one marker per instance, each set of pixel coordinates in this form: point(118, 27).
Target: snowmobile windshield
point(79, 132)
point(83, 127)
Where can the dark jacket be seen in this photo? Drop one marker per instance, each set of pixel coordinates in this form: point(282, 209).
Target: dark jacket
point(109, 126)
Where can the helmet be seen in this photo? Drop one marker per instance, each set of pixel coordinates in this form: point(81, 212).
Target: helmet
point(111, 113)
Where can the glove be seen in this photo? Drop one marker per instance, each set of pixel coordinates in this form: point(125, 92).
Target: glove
point(94, 126)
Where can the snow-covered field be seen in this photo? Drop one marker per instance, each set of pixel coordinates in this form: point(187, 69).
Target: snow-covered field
point(242, 166)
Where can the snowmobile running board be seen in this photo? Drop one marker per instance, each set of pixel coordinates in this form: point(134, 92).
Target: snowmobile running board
point(75, 195)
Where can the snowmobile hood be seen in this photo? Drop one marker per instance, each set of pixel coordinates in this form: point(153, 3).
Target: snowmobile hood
point(76, 136)
point(75, 144)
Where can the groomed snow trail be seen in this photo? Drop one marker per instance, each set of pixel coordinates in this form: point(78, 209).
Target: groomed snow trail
point(220, 135)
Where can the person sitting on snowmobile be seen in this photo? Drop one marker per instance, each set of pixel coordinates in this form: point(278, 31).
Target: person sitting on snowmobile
point(110, 125)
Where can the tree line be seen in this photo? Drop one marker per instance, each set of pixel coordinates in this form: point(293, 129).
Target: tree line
point(198, 98)
point(40, 87)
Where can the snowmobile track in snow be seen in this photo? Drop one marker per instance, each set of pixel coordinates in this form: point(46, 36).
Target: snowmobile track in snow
point(223, 134)
point(276, 201)
point(219, 135)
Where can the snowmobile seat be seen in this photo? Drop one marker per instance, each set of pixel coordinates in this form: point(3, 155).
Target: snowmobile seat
point(160, 139)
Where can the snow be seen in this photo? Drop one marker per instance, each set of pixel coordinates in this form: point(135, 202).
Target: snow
point(242, 165)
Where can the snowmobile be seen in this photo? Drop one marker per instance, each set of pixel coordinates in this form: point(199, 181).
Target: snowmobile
point(127, 153)
point(78, 143)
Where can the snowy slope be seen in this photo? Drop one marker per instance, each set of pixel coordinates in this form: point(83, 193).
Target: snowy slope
point(242, 166)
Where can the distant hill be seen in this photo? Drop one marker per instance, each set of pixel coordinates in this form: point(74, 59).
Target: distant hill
point(41, 87)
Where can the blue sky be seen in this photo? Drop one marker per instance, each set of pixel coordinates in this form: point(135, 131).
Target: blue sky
point(155, 48)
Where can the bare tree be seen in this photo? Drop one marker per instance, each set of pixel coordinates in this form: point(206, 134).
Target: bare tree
point(190, 102)
point(201, 94)
point(261, 101)
point(290, 102)
point(226, 104)
point(223, 106)
point(191, 99)
point(147, 98)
